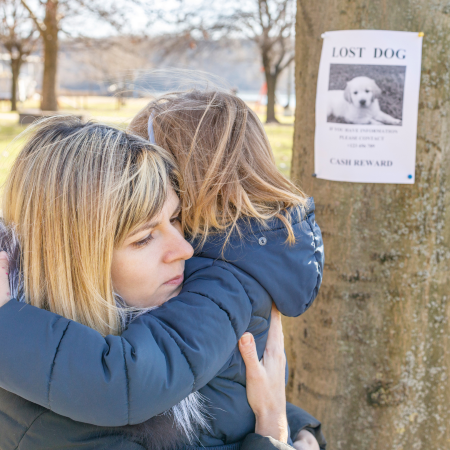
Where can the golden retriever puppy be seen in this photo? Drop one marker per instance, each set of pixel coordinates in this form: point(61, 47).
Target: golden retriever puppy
point(358, 103)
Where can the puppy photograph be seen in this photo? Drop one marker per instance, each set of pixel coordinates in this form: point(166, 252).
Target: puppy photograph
point(366, 94)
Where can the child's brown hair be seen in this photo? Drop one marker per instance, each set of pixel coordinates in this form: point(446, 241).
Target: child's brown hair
point(225, 159)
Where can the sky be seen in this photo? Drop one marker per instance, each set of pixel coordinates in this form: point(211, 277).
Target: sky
point(142, 15)
point(137, 19)
point(88, 25)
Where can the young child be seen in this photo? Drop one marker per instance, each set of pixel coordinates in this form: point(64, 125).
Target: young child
point(256, 242)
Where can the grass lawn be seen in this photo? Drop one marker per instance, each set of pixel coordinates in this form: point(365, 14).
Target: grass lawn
point(105, 109)
point(8, 131)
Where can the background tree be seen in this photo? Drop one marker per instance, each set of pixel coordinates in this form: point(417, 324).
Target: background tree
point(275, 21)
point(268, 23)
point(371, 358)
point(48, 18)
point(18, 37)
point(118, 62)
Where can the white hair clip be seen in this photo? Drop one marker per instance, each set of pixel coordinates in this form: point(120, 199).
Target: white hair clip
point(151, 133)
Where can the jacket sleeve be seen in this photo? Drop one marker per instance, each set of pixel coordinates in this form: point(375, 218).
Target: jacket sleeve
point(299, 420)
point(308, 257)
point(159, 359)
point(255, 441)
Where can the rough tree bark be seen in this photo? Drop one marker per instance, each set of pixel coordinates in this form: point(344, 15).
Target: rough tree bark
point(371, 358)
point(50, 40)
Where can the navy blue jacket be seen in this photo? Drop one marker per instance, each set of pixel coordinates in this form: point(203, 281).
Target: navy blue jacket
point(187, 344)
point(27, 426)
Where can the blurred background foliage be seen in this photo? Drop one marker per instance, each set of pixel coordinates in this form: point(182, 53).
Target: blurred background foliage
point(98, 60)
point(104, 109)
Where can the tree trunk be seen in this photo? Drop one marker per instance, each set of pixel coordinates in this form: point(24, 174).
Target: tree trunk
point(271, 80)
point(50, 40)
point(371, 358)
point(15, 71)
point(289, 87)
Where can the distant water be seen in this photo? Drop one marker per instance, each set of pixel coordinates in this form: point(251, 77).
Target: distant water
point(247, 96)
point(254, 96)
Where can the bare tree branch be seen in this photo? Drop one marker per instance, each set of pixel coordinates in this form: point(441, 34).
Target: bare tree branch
point(288, 62)
point(17, 39)
point(36, 21)
point(270, 26)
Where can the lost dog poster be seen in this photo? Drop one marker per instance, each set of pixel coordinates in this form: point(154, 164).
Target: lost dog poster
point(366, 106)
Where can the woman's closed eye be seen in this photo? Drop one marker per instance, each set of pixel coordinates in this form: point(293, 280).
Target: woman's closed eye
point(176, 219)
point(143, 242)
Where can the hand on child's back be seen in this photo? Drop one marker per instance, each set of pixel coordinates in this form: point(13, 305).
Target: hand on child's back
point(266, 380)
point(266, 386)
point(5, 295)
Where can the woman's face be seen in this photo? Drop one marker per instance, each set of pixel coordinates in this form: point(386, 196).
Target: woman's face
point(147, 269)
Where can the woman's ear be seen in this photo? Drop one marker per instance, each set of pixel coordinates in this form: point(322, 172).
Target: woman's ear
point(376, 90)
point(348, 93)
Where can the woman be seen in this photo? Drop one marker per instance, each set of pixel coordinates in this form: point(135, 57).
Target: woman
point(268, 376)
point(105, 187)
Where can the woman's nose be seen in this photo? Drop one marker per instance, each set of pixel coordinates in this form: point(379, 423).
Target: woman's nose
point(179, 248)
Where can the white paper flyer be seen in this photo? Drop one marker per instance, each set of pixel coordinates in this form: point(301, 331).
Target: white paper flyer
point(366, 106)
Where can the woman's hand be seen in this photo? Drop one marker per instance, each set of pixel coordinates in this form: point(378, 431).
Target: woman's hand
point(5, 295)
point(266, 381)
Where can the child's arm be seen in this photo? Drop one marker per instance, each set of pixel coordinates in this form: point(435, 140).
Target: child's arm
point(160, 358)
point(305, 430)
point(255, 441)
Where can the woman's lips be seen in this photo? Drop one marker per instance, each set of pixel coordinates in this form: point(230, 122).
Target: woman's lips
point(175, 281)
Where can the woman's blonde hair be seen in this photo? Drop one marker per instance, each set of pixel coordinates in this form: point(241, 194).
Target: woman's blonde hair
point(75, 192)
point(225, 159)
